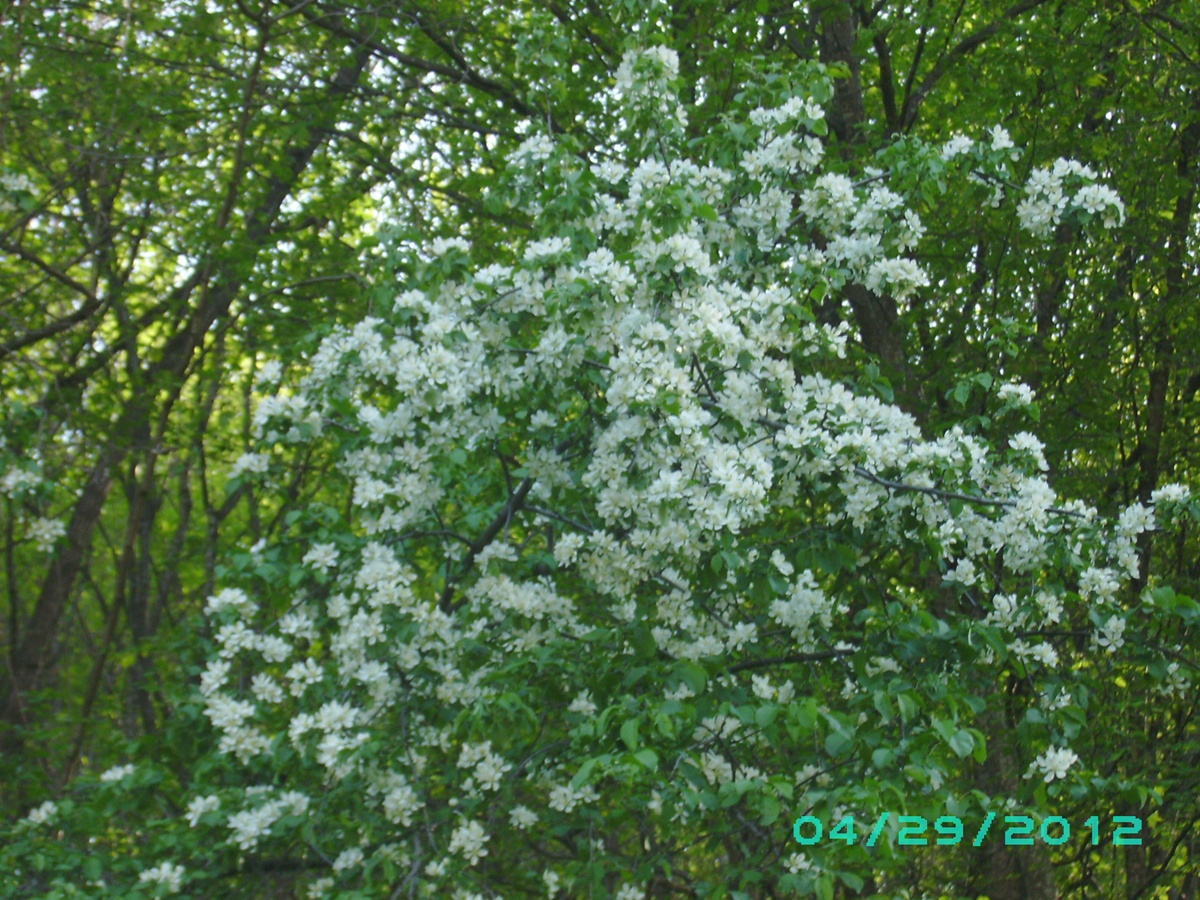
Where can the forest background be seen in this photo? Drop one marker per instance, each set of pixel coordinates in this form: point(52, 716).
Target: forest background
point(190, 190)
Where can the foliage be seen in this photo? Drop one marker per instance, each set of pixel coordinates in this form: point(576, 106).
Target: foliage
point(232, 181)
point(608, 511)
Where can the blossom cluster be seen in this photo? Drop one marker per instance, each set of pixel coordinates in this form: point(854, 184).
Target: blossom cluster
point(1052, 191)
point(560, 469)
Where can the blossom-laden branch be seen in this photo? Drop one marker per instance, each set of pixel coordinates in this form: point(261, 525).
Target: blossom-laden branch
point(664, 319)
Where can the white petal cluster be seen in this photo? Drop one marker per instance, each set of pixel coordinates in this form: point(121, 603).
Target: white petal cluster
point(522, 817)
point(488, 767)
point(469, 839)
point(41, 814)
point(1053, 764)
point(252, 463)
point(1015, 394)
point(45, 532)
point(117, 773)
point(251, 824)
point(564, 797)
point(566, 462)
point(17, 480)
point(169, 875)
point(1109, 636)
point(1049, 195)
point(198, 806)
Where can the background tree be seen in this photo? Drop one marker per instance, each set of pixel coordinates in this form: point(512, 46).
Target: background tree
point(201, 183)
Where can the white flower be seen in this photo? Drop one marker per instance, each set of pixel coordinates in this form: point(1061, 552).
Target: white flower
point(251, 824)
point(469, 839)
point(266, 688)
point(234, 598)
point(1024, 442)
point(762, 687)
point(1054, 763)
point(1015, 394)
point(321, 556)
point(401, 801)
point(522, 817)
point(630, 892)
point(1110, 636)
point(583, 704)
point(167, 874)
point(566, 548)
point(778, 561)
point(17, 480)
point(274, 648)
point(298, 625)
point(45, 532)
point(442, 246)
point(956, 146)
point(534, 149)
point(214, 676)
point(1045, 654)
point(1000, 138)
point(319, 888)
point(302, 674)
point(348, 859)
point(270, 373)
point(198, 806)
point(797, 862)
point(963, 573)
point(1171, 493)
point(42, 813)
point(234, 638)
point(548, 249)
point(254, 463)
point(116, 773)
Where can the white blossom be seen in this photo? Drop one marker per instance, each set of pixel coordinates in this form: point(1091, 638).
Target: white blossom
point(45, 532)
point(41, 814)
point(169, 875)
point(469, 839)
point(321, 557)
point(1053, 763)
point(198, 806)
point(117, 773)
point(522, 817)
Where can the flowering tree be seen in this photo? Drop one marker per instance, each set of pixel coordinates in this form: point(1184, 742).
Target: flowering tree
point(636, 568)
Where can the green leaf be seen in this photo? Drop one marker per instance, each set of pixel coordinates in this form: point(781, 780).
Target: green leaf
point(765, 715)
point(838, 742)
point(629, 734)
point(908, 707)
point(980, 742)
point(852, 881)
point(883, 704)
point(770, 810)
point(647, 758)
point(693, 675)
point(585, 770)
point(643, 643)
point(962, 743)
